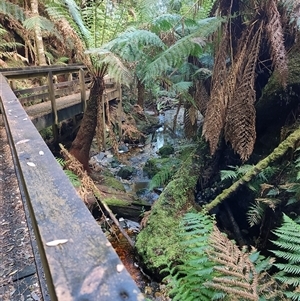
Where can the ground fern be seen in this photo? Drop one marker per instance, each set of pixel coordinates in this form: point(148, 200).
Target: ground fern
point(187, 280)
point(288, 242)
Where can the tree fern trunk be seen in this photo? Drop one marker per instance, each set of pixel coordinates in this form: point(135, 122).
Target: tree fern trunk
point(80, 148)
point(39, 44)
point(141, 93)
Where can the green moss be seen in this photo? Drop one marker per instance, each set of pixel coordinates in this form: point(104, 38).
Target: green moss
point(274, 87)
point(113, 201)
point(158, 243)
point(112, 182)
point(155, 165)
point(46, 133)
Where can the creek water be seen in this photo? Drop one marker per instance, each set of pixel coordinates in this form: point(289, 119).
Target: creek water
point(137, 156)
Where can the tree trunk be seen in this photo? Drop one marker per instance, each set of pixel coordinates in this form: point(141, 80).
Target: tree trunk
point(39, 44)
point(80, 148)
point(141, 93)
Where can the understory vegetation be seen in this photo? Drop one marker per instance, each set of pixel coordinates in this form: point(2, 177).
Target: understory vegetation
point(226, 225)
point(215, 268)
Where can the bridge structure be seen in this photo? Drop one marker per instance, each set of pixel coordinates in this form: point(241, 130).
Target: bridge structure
point(78, 261)
point(60, 93)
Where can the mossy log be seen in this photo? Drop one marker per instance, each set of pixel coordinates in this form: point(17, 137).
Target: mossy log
point(159, 242)
point(278, 152)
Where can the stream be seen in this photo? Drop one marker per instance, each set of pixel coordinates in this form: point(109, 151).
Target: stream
point(136, 156)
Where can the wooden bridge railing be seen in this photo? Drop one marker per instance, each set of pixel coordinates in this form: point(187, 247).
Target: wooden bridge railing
point(79, 262)
point(62, 94)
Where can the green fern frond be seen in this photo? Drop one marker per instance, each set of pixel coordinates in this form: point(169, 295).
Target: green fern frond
point(255, 213)
point(187, 280)
point(13, 10)
point(267, 173)
point(164, 22)
point(116, 67)
point(228, 174)
point(73, 178)
point(61, 162)
point(243, 169)
point(288, 242)
point(39, 21)
point(162, 177)
point(177, 53)
point(132, 45)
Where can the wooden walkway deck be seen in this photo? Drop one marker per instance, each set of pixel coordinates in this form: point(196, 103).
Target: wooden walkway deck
point(78, 261)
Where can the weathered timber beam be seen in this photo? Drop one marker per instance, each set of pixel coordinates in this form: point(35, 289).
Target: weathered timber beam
point(28, 72)
point(85, 267)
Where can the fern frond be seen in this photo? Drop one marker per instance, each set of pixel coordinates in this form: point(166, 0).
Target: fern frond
point(13, 10)
point(215, 115)
point(162, 177)
point(164, 22)
point(190, 120)
point(288, 242)
point(39, 21)
point(255, 213)
point(116, 67)
point(292, 9)
point(132, 44)
point(238, 275)
point(175, 55)
point(240, 115)
point(73, 178)
point(61, 162)
point(228, 174)
point(187, 280)
point(276, 40)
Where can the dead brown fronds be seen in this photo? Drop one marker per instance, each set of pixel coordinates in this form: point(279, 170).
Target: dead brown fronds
point(276, 40)
point(129, 128)
point(240, 117)
point(216, 108)
point(88, 186)
point(190, 118)
point(201, 97)
point(239, 276)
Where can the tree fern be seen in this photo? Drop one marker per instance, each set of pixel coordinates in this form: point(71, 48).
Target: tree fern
point(288, 242)
point(177, 53)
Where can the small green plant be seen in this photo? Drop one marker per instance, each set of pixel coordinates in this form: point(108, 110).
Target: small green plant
point(73, 178)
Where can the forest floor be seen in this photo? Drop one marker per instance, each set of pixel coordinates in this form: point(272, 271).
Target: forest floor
point(18, 270)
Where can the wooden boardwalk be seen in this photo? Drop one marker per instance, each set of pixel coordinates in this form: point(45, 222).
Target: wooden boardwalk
point(78, 261)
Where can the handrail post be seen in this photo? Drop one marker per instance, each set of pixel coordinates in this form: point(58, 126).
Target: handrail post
point(53, 106)
point(103, 121)
point(120, 110)
point(82, 88)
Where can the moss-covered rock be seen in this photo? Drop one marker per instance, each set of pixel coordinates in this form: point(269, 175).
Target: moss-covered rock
point(126, 172)
point(110, 181)
point(155, 165)
point(277, 104)
point(159, 242)
point(166, 150)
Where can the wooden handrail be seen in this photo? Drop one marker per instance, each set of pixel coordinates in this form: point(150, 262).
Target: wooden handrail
point(27, 72)
point(84, 266)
